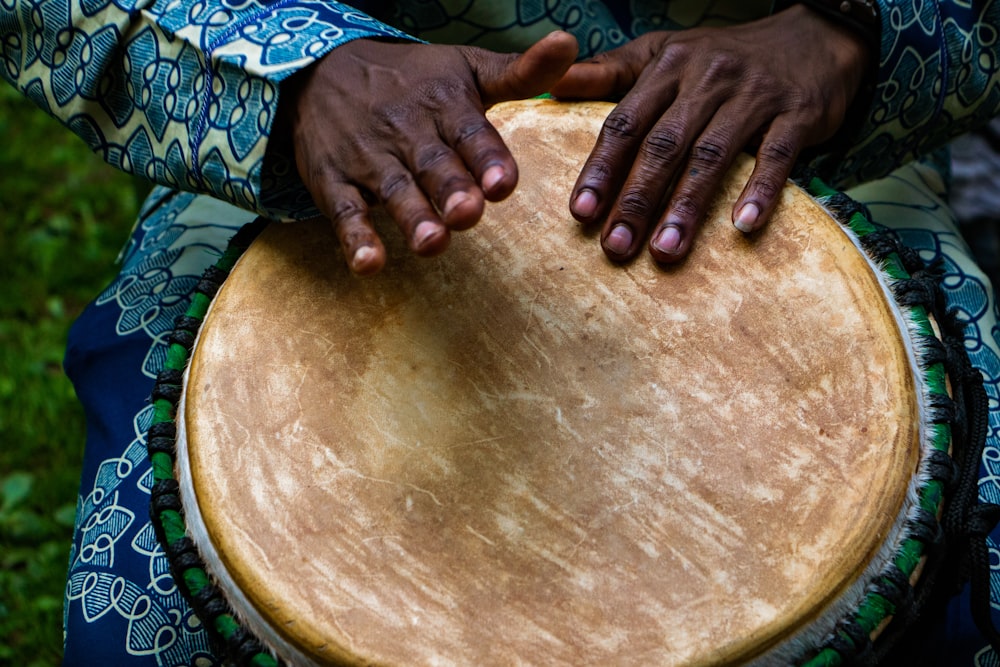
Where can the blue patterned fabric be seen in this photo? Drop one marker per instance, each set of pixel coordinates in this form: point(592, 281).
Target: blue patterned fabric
point(185, 93)
point(181, 92)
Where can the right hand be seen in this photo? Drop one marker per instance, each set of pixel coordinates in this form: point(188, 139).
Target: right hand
point(405, 124)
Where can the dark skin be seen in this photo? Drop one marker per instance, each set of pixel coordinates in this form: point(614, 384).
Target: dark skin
point(692, 101)
point(404, 124)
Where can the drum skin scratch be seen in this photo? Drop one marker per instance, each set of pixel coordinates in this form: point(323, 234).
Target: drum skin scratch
point(518, 444)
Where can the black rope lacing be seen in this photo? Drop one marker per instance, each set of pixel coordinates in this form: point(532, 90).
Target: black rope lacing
point(209, 604)
point(956, 546)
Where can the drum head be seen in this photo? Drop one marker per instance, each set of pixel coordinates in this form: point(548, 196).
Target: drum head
point(518, 452)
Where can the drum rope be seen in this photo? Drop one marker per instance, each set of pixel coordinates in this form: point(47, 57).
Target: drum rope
point(186, 565)
point(966, 518)
point(890, 595)
point(958, 541)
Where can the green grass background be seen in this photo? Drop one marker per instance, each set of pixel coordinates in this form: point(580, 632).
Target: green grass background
point(64, 216)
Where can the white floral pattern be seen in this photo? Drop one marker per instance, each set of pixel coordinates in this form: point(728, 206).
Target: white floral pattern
point(184, 92)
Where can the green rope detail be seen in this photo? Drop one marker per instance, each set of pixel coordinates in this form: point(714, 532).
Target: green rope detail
point(940, 436)
point(932, 495)
point(263, 660)
point(199, 306)
point(226, 625)
point(922, 321)
point(163, 411)
point(893, 266)
point(195, 579)
point(163, 466)
point(873, 611)
point(860, 225)
point(826, 658)
point(874, 608)
point(819, 189)
point(937, 379)
point(173, 525)
point(909, 556)
point(177, 358)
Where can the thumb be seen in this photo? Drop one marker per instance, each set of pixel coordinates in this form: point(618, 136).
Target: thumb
point(503, 77)
point(609, 75)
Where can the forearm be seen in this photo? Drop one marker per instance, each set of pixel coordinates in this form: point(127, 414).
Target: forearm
point(184, 97)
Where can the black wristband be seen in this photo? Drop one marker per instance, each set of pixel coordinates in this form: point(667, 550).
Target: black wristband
point(862, 16)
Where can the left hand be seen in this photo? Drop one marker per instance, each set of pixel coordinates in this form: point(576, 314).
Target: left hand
point(692, 101)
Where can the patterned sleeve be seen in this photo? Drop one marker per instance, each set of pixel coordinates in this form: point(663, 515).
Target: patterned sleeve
point(182, 92)
point(938, 77)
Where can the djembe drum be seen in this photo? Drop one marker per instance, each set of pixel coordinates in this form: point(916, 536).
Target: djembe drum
point(518, 453)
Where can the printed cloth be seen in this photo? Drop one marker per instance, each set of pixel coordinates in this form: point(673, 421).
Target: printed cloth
point(185, 93)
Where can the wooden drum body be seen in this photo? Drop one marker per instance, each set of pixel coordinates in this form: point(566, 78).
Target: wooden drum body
point(519, 453)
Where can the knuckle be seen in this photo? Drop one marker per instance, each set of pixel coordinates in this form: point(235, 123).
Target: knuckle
point(780, 150)
point(663, 143)
point(343, 209)
point(471, 129)
point(445, 90)
point(768, 186)
point(598, 172)
point(635, 203)
point(321, 171)
point(393, 184)
point(809, 109)
point(673, 56)
point(453, 183)
point(392, 119)
point(429, 157)
point(724, 66)
point(355, 237)
point(685, 206)
point(622, 124)
point(708, 153)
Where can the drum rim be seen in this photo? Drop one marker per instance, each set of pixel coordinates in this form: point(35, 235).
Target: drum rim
point(863, 620)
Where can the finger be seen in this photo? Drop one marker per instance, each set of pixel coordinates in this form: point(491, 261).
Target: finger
point(443, 175)
point(707, 163)
point(617, 145)
point(483, 153)
point(503, 77)
point(608, 75)
point(664, 151)
point(776, 158)
point(615, 150)
point(347, 211)
point(395, 187)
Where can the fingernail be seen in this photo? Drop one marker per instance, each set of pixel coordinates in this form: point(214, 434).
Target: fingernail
point(619, 240)
point(424, 232)
point(746, 217)
point(362, 256)
point(585, 204)
point(668, 240)
point(492, 176)
point(456, 200)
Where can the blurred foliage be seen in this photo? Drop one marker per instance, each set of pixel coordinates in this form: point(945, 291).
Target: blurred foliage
point(64, 216)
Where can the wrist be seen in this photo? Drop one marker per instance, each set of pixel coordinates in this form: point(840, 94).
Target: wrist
point(860, 17)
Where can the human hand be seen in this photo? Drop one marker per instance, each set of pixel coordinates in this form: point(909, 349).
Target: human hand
point(692, 101)
point(403, 124)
